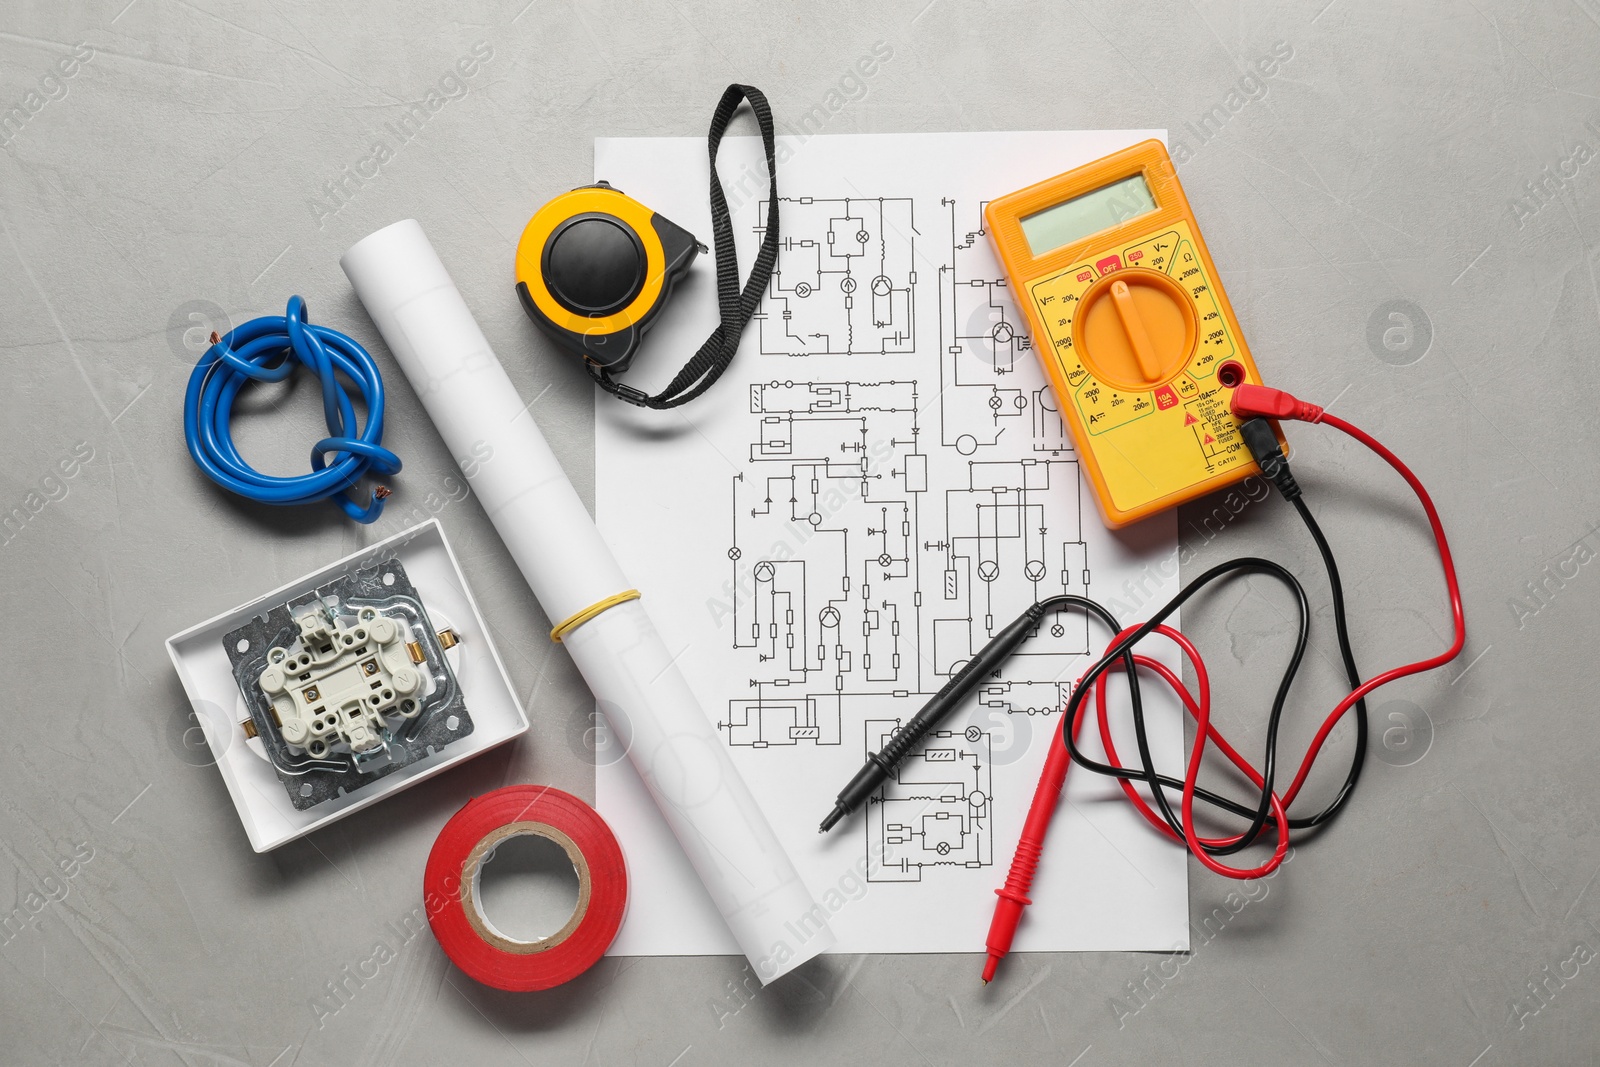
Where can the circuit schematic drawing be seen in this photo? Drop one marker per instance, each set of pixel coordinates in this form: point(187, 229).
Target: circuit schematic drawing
point(845, 279)
point(883, 526)
point(935, 811)
point(783, 719)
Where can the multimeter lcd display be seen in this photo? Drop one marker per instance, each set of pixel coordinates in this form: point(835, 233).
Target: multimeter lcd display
point(1075, 219)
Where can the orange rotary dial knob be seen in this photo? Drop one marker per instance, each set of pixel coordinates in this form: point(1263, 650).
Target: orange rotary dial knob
point(1135, 329)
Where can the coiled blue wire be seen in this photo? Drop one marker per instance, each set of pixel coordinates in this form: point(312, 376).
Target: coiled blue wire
point(267, 350)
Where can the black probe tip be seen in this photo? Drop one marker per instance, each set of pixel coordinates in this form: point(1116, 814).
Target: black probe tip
point(833, 818)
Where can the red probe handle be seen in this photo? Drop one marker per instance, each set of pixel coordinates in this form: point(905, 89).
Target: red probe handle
point(1008, 911)
point(1014, 894)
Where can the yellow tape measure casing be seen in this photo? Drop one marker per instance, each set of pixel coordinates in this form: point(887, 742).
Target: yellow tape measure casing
point(594, 267)
point(1129, 318)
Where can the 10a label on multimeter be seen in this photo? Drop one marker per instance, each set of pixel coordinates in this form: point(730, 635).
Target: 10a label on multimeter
point(1104, 407)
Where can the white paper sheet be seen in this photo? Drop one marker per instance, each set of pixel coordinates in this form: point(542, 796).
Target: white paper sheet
point(878, 483)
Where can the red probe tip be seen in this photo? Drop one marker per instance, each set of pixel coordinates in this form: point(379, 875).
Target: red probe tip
point(989, 966)
point(1250, 401)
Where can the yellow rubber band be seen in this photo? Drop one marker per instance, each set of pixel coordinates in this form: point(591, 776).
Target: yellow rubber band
point(572, 622)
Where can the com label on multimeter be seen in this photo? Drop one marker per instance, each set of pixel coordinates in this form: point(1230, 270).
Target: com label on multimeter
point(1132, 327)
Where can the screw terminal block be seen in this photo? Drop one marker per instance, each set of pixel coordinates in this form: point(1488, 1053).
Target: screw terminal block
point(342, 684)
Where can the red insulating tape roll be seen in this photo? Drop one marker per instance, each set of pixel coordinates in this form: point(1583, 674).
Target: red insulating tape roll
point(450, 888)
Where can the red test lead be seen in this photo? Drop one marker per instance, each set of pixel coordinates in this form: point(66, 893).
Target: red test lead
point(1265, 402)
point(1252, 403)
point(1014, 894)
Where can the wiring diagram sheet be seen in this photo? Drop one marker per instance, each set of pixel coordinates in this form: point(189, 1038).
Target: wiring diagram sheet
point(879, 483)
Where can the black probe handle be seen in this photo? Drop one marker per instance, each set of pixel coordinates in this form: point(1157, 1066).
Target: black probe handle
point(880, 764)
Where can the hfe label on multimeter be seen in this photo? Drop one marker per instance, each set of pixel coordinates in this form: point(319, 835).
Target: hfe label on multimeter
point(1133, 329)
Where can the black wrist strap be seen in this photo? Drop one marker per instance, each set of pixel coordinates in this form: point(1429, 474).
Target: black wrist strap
point(736, 307)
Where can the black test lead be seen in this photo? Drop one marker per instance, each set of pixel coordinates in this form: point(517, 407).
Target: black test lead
point(881, 764)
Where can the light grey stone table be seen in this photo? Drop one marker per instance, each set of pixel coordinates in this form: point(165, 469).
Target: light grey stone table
point(1406, 212)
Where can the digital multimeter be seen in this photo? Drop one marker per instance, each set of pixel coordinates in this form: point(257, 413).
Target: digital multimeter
point(595, 266)
point(1132, 326)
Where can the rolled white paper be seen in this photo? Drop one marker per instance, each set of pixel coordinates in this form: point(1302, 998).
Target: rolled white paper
point(420, 313)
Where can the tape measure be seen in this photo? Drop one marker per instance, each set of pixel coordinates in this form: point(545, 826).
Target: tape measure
point(594, 269)
point(450, 888)
point(1134, 330)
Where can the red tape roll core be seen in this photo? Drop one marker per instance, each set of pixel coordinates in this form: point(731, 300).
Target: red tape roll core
point(450, 888)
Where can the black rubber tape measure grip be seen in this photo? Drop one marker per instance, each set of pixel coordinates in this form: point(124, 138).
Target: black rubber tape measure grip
point(594, 269)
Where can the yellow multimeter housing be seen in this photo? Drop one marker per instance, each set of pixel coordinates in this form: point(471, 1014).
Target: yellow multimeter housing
point(594, 267)
point(1130, 321)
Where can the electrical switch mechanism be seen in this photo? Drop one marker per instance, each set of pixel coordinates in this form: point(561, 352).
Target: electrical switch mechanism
point(347, 683)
